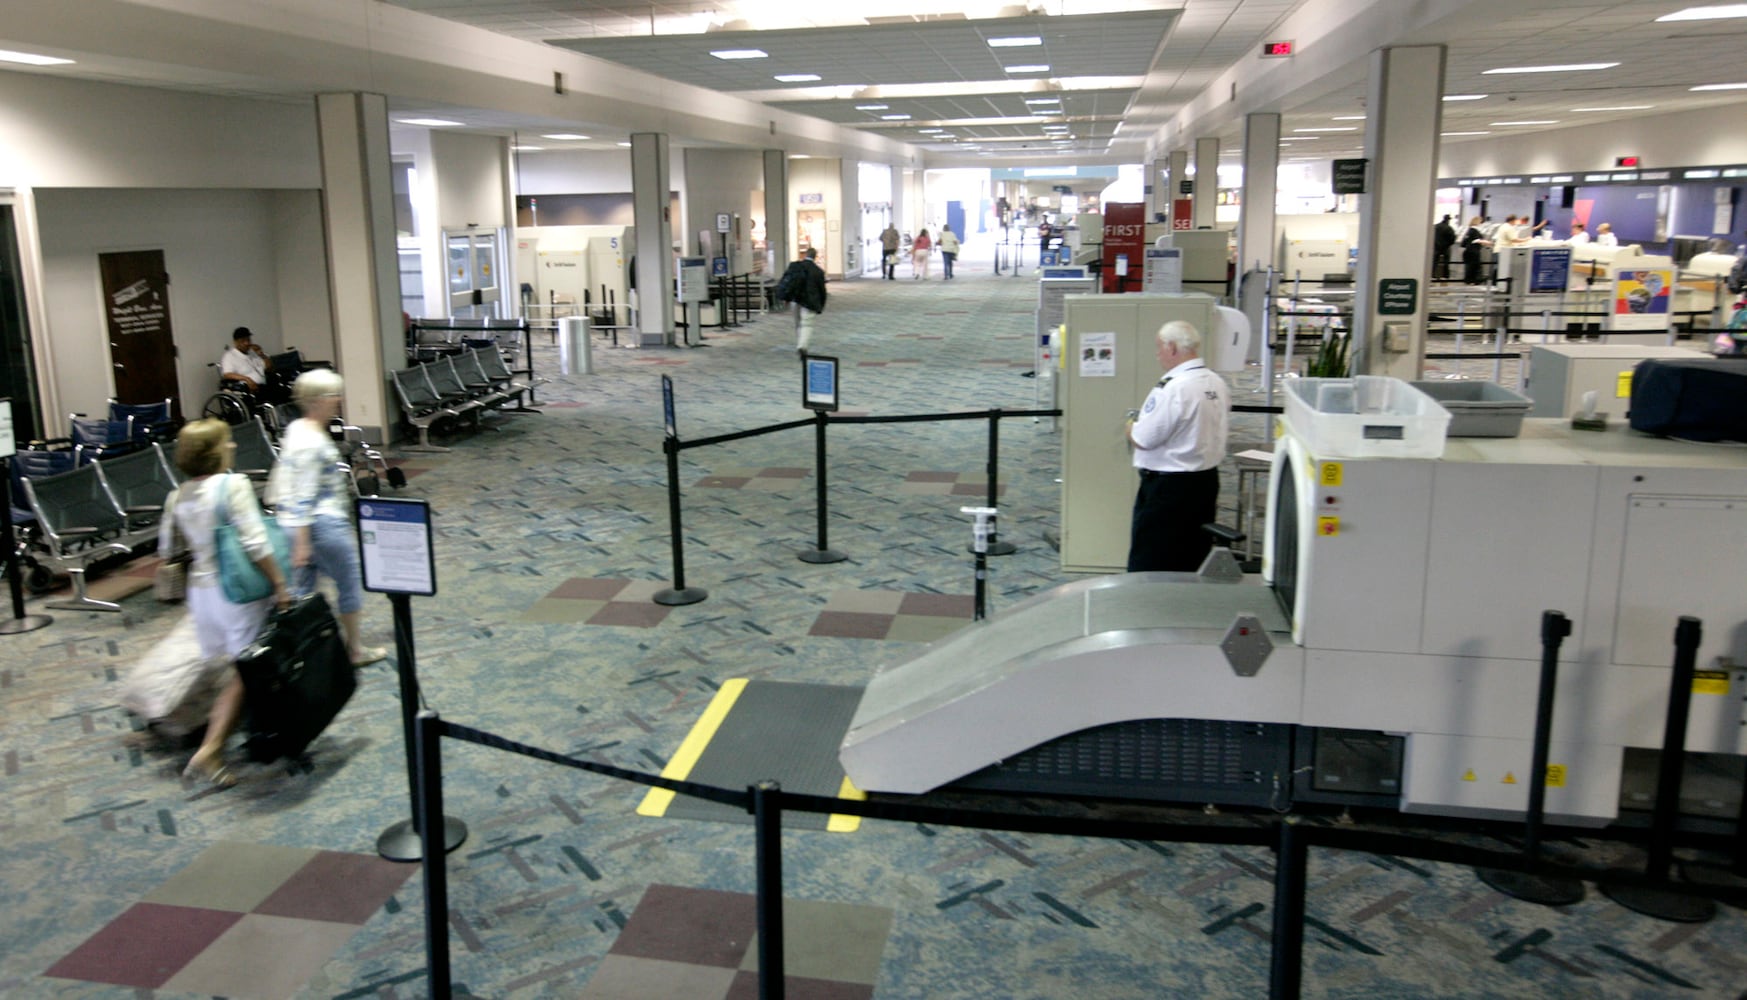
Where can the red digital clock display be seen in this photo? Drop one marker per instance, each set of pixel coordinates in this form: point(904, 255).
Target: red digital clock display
point(1276, 49)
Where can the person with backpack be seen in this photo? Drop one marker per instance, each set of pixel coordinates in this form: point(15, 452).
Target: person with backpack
point(803, 283)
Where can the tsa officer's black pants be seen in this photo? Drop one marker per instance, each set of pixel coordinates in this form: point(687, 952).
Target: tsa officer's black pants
point(1169, 510)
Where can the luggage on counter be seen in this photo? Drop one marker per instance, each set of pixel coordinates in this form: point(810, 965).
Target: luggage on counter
point(1698, 399)
point(297, 676)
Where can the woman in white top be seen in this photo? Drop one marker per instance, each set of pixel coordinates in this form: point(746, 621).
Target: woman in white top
point(1604, 236)
point(948, 250)
point(308, 489)
point(192, 514)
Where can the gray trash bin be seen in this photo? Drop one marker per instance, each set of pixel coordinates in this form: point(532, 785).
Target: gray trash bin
point(575, 356)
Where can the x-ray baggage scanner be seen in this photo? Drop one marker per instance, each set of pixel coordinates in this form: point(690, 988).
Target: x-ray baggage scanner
point(1392, 643)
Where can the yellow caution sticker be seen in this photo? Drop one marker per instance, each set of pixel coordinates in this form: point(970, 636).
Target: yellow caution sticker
point(1468, 775)
point(1623, 384)
point(1329, 474)
point(1710, 682)
point(1555, 775)
point(1328, 526)
point(1509, 778)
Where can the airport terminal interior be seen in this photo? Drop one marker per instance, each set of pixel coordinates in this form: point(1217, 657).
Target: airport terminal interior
point(427, 189)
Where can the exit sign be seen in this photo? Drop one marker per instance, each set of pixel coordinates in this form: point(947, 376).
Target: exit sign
point(1276, 50)
point(1626, 161)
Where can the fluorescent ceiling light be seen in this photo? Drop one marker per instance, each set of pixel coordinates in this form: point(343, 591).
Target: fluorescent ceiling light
point(1622, 107)
point(1465, 97)
point(564, 136)
point(1043, 100)
point(740, 54)
point(796, 77)
point(32, 59)
point(1559, 68)
point(1331, 128)
point(1348, 118)
point(872, 107)
point(527, 149)
point(1465, 133)
point(1538, 121)
point(1014, 42)
point(931, 130)
point(428, 122)
point(625, 144)
point(1040, 68)
point(1720, 86)
point(894, 118)
point(1707, 13)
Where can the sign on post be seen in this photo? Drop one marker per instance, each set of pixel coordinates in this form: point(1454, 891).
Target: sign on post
point(819, 383)
point(667, 406)
point(394, 538)
point(1349, 176)
point(1397, 296)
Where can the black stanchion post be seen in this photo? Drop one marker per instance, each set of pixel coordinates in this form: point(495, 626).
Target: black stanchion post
point(679, 594)
point(993, 468)
point(1291, 871)
point(429, 735)
point(722, 303)
point(20, 622)
point(1661, 904)
point(822, 553)
point(767, 813)
point(405, 840)
point(1528, 886)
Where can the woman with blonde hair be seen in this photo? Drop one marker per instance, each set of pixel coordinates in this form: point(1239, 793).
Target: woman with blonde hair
point(308, 490)
point(193, 512)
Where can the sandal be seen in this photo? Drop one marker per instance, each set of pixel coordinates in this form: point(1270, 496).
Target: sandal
point(218, 776)
point(370, 654)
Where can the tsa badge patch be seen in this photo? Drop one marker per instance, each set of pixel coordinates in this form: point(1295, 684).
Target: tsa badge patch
point(1150, 403)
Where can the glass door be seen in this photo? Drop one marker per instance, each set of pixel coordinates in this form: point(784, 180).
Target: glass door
point(474, 265)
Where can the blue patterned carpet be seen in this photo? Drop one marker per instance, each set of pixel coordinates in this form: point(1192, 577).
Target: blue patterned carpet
point(551, 534)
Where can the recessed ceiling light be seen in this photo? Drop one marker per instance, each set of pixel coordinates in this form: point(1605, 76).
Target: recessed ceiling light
point(31, 58)
point(797, 77)
point(925, 130)
point(564, 136)
point(1535, 121)
point(527, 149)
point(1040, 68)
point(428, 122)
point(872, 107)
point(1330, 128)
point(1720, 86)
point(1043, 100)
point(1707, 13)
point(625, 144)
point(1348, 118)
point(1558, 68)
point(1465, 133)
point(1621, 107)
point(1014, 42)
point(1465, 97)
point(894, 118)
point(740, 54)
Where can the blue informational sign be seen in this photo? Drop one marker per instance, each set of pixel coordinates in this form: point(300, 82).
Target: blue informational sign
point(1549, 269)
point(1048, 258)
point(718, 267)
point(819, 383)
point(667, 406)
point(1076, 271)
point(394, 541)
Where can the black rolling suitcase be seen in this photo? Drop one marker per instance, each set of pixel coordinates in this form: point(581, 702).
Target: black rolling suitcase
point(297, 675)
point(1698, 399)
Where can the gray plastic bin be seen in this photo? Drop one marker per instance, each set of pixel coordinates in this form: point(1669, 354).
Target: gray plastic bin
point(1479, 409)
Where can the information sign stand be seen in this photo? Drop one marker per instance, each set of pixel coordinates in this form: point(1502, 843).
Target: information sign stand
point(819, 394)
point(398, 559)
point(20, 621)
point(679, 594)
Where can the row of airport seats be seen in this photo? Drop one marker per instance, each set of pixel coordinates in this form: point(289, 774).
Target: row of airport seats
point(453, 391)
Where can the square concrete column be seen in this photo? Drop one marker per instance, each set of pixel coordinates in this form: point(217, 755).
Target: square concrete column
point(1206, 181)
point(776, 208)
point(1403, 115)
point(363, 267)
point(650, 199)
point(1158, 186)
point(1256, 247)
point(1176, 171)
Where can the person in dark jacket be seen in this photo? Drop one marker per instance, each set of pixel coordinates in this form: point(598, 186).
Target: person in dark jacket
point(1443, 239)
point(804, 285)
point(1472, 243)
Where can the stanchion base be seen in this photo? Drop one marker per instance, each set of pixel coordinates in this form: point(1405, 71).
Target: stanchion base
point(820, 556)
point(29, 623)
point(1661, 905)
point(1703, 873)
point(995, 549)
point(1532, 888)
point(401, 842)
point(679, 598)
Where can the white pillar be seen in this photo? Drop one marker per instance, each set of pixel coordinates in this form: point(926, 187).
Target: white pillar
point(1177, 173)
point(651, 194)
point(776, 208)
point(1403, 112)
point(1206, 181)
point(1261, 160)
point(1158, 185)
point(363, 271)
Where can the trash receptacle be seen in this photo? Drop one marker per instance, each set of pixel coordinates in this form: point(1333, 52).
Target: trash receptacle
point(575, 356)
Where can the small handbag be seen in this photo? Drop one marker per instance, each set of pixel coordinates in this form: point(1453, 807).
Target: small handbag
point(238, 577)
point(170, 581)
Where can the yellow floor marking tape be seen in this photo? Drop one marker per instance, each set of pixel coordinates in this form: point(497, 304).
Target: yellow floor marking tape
point(686, 757)
point(839, 823)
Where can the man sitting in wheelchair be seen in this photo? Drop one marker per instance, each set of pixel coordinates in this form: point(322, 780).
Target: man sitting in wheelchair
point(246, 368)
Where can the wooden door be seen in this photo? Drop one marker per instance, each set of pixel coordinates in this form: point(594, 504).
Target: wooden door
point(142, 345)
